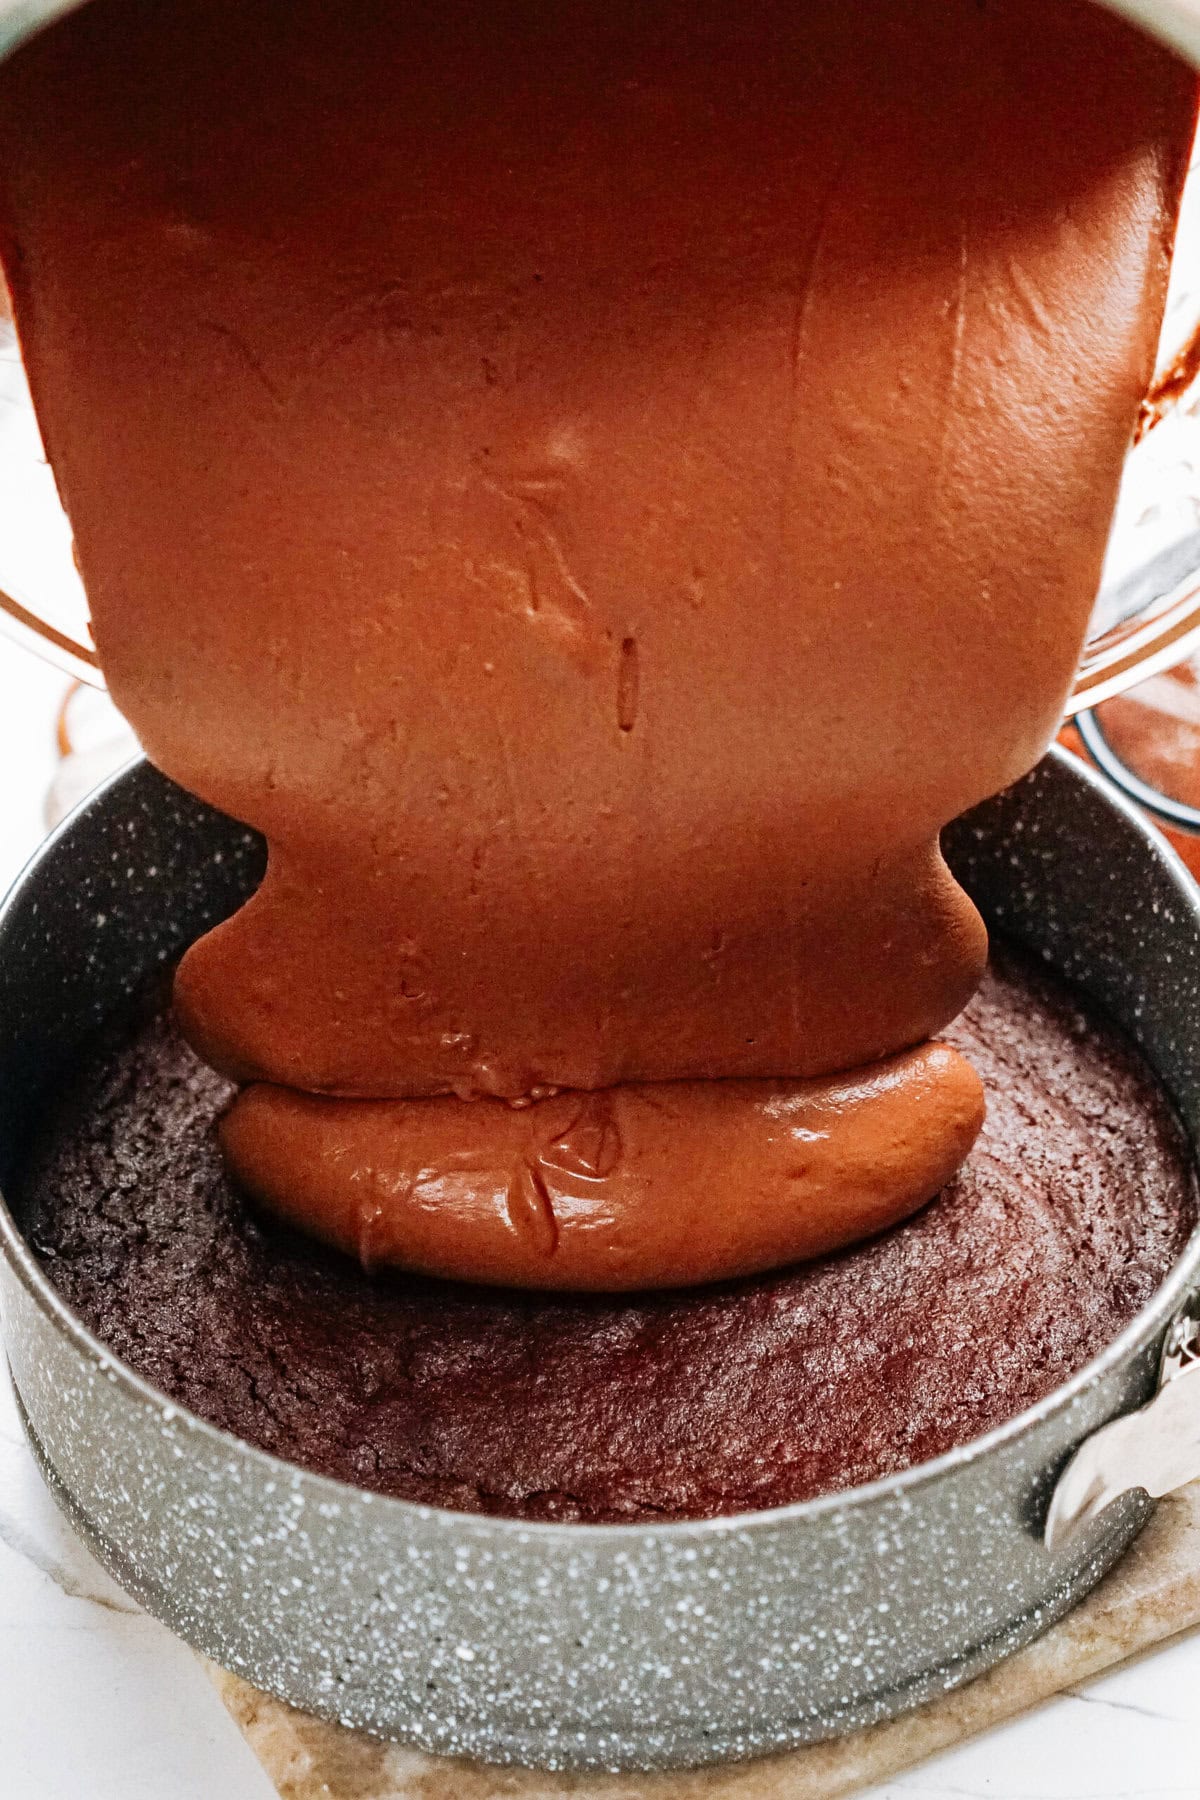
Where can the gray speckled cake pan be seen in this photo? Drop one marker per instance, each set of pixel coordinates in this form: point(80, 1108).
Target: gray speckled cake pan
point(574, 1645)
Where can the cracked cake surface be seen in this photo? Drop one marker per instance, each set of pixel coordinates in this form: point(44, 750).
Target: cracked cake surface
point(1074, 1204)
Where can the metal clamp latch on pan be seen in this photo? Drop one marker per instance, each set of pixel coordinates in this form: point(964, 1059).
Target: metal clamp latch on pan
point(1156, 1448)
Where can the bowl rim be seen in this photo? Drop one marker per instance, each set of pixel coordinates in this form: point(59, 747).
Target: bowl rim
point(1175, 23)
point(1179, 1284)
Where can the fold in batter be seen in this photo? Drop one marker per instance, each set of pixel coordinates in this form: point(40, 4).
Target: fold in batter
point(599, 486)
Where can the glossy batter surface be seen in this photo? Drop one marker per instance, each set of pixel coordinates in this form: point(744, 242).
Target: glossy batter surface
point(657, 1184)
point(599, 486)
point(1075, 1202)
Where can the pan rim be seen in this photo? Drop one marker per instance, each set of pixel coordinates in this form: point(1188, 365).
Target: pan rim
point(1180, 1283)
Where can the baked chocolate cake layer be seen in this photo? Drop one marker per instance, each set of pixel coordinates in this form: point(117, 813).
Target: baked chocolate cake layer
point(1075, 1202)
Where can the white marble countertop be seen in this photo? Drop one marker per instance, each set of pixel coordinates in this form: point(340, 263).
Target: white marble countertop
point(99, 1702)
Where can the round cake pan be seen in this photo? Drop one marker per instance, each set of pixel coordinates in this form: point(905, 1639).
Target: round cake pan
point(574, 1645)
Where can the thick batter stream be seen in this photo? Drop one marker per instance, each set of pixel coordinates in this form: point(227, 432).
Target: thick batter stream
point(599, 485)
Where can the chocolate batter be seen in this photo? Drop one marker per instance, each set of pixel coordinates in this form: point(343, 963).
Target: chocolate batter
point(599, 485)
point(1072, 1207)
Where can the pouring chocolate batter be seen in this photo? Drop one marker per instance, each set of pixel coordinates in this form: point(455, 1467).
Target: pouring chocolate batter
point(599, 486)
